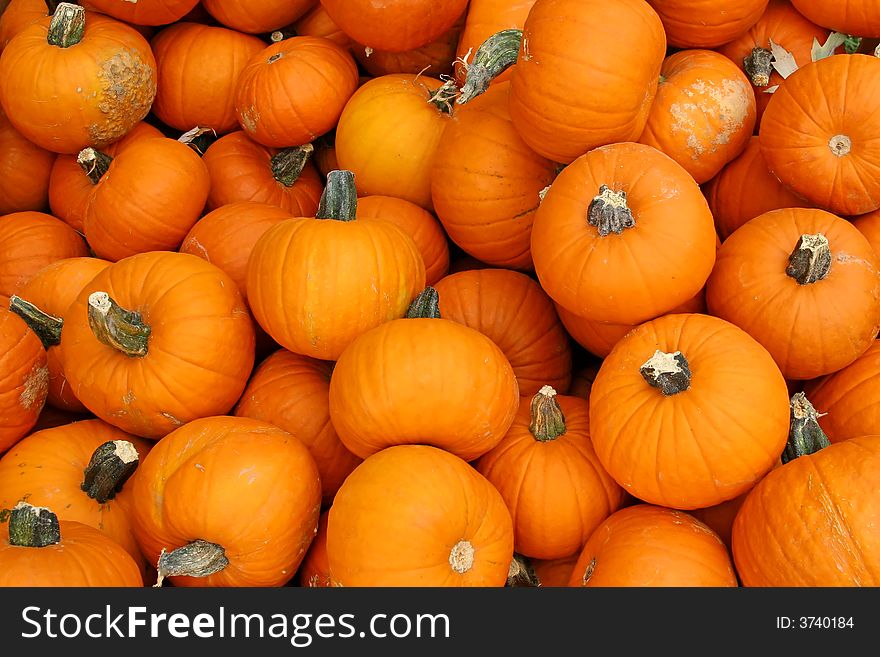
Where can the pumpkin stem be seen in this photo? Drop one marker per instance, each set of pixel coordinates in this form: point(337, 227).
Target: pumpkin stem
point(758, 65)
point(109, 468)
point(521, 573)
point(840, 145)
point(461, 557)
point(548, 421)
point(339, 198)
point(284, 33)
point(668, 372)
point(442, 98)
point(288, 163)
point(46, 326)
point(425, 306)
point(67, 26)
point(116, 327)
point(494, 56)
point(588, 571)
point(805, 435)
point(811, 259)
point(93, 163)
point(609, 213)
point(198, 139)
point(196, 559)
point(33, 526)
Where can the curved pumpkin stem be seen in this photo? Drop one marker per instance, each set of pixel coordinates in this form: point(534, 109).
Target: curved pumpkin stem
point(425, 305)
point(547, 420)
point(116, 327)
point(609, 213)
point(811, 259)
point(443, 96)
point(111, 465)
point(494, 56)
point(94, 163)
point(758, 65)
point(33, 526)
point(196, 559)
point(668, 372)
point(46, 326)
point(339, 198)
point(805, 435)
point(288, 163)
point(521, 573)
point(67, 26)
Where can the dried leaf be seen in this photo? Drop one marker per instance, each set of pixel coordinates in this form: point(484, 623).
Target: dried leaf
point(770, 90)
point(834, 41)
point(783, 61)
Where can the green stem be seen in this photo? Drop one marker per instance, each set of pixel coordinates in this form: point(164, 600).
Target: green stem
point(805, 435)
point(196, 559)
point(425, 306)
point(339, 198)
point(547, 420)
point(46, 326)
point(111, 465)
point(811, 259)
point(116, 327)
point(94, 163)
point(494, 56)
point(33, 526)
point(67, 26)
point(670, 373)
point(288, 164)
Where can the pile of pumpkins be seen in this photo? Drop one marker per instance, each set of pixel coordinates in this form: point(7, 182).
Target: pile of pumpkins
point(439, 293)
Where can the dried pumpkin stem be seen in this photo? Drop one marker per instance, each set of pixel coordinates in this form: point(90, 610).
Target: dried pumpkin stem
point(609, 213)
point(521, 573)
point(811, 259)
point(425, 305)
point(111, 465)
point(805, 435)
point(196, 559)
point(198, 139)
point(288, 163)
point(758, 65)
point(547, 420)
point(116, 327)
point(339, 198)
point(33, 526)
point(443, 97)
point(840, 145)
point(67, 26)
point(94, 163)
point(461, 557)
point(46, 326)
point(494, 56)
point(669, 372)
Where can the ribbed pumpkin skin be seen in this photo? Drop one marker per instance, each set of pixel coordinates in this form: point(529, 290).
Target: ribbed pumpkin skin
point(256, 18)
point(557, 103)
point(46, 469)
point(24, 171)
point(646, 545)
point(397, 518)
point(202, 344)
point(847, 16)
point(811, 522)
point(314, 571)
point(25, 381)
point(636, 429)
point(706, 23)
point(422, 380)
point(819, 144)
point(143, 12)
point(810, 329)
point(70, 103)
point(240, 483)
point(486, 182)
point(292, 392)
point(85, 557)
point(512, 309)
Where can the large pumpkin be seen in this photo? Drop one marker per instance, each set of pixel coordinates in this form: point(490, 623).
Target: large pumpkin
point(25, 381)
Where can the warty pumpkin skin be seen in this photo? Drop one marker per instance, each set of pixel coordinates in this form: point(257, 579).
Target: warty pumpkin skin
point(89, 90)
point(243, 494)
point(695, 371)
point(805, 284)
point(24, 171)
point(182, 343)
point(856, 17)
point(706, 23)
point(416, 515)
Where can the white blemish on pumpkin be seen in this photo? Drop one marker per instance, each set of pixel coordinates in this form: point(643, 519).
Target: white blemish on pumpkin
point(249, 118)
point(725, 105)
point(171, 418)
point(128, 397)
point(199, 467)
point(461, 557)
point(36, 387)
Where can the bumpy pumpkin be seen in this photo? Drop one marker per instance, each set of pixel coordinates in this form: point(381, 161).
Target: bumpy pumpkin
point(25, 382)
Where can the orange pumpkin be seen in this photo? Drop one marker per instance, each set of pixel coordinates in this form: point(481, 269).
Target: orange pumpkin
point(857, 17)
point(143, 12)
point(25, 381)
point(701, 24)
point(256, 18)
point(316, 22)
point(314, 571)
point(18, 14)
point(869, 226)
point(24, 171)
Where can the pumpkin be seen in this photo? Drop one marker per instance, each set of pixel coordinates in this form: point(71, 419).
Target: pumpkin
point(25, 381)
point(701, 24)
point(745, 188)
point(226, 501)
point(241, 170)
point(416, 515)
point(316, 283)
point(76, 79)
point(389, 131)
point(869, 226)
point(265, 16)
point(314, 571)
point(423, 379)
point(645, 545)
point(84, 470)
point(125, 215)
point(703, 114)
point(566, 99)
point(42, 303)
point(695, 371)
point(820, 143)
point(198, 68)
point(810, 522)
point(554, 572)
point(805, 284)
point(292, 392)
point(583, 376)
point(15, 15)
point(293, 91)
point(646, 246)
point(856, 17)
point(143, 12)
point(316, 22)
point(156, 340)
point(42, 551)
point(24, 171)
point(511, 308)
point(486, 183)
point(394, 26)
point(547, 472)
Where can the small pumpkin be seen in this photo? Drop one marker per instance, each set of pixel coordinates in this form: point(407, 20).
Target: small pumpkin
point(25, 382)
point(314, 571)
point(699, 24)
point(18, 14)
point(143, 12)
point(857, 17)
point(25, 169)
point(263, 17)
